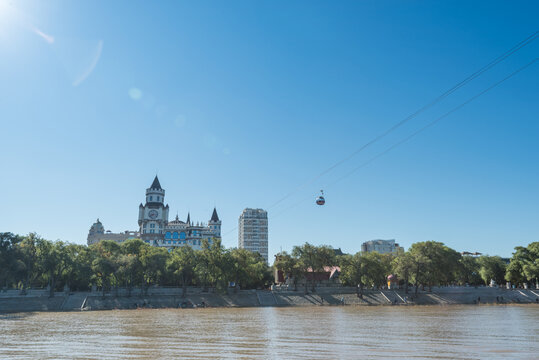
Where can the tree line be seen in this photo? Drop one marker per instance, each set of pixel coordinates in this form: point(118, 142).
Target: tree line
point(31, 261)
point(425, 264)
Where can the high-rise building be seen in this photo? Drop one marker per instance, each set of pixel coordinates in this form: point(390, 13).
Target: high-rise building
point(381, 246)
point(253, 231)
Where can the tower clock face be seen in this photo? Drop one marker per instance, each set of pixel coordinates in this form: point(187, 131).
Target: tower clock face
point(153, 214)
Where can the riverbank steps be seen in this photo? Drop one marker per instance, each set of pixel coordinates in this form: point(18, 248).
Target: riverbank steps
point(12, 301)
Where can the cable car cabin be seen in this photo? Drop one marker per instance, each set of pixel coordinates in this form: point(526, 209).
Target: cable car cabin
point(320, 200)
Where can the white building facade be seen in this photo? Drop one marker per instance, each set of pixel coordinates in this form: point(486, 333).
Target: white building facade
point(381, 246)
point(156, 230)
point(253, 231)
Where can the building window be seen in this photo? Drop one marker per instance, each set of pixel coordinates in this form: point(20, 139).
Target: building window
point(151, 231)
point(167, 235)
point(175, 235)
point(158, 198)
point(182, 235)
point(150, 198)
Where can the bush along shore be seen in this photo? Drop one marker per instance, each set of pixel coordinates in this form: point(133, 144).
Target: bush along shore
point(128, 275)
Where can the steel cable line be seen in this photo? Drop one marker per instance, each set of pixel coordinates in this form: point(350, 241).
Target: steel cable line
point(412, 135)
point(457, 86)
point(415, 133)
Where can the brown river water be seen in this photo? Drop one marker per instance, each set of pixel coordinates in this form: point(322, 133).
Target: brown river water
point(377, 332)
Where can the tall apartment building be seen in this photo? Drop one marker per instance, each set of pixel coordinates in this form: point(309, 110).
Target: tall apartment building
point(253, 231)
point(381, 246)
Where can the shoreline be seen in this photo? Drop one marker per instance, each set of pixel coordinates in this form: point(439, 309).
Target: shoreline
point(166, 298)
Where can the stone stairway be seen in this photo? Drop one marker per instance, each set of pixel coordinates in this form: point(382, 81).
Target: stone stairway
point(266, 298)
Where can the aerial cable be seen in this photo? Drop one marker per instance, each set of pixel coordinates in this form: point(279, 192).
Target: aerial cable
point(412, 135)
point(457, 86)
point(415, 133)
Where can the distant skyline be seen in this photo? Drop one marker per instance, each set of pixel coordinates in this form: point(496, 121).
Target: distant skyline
point(239, 104)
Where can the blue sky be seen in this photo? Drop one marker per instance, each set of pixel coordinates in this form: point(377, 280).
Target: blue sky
point(236, 104)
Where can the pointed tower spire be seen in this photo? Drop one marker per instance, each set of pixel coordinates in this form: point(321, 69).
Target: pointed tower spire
point(188, 219)
point(155, 184)
point(214, 216)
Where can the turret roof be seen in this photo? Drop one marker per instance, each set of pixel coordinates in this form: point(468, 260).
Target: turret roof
point(214, 216)
point(155, 184)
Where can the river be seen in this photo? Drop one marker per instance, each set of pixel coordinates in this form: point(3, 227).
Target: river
point(377, 332)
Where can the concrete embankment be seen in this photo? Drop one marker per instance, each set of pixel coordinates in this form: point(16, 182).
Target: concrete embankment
point(11, 301)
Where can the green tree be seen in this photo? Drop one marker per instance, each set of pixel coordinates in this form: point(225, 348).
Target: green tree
point(181, 264)
point(433, 264)
point(491, 267)
point(352, 270)
point(213, 267)
point(403, 265)
point(105, 263)
point(524, 265)
point(313, 259)
point(130, 264)
point(289, 266)
point(420, 264)
point(377, 267)
point(8, 257)
point(531, 266)
point(468, 271)
point(153, 260)
point(80, 276)
point(27, 254)
point(247, 269)
point(53, 259)
point(76, 265)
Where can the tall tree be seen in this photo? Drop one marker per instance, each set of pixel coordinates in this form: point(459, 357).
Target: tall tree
point(376, 268)
point(247, 268)
point(53, 260)
point(524, 265)
point(153, 260)
point(312, 260)
point(403, 266)
point(105, 263)
point(433, 263)
point(181, 263)
point(468, 271)
point(28, 256)
point(491, 268)
point(130, 264)
point(352, 270)
point(531, 267)
point(289, 266)
point(7, 257)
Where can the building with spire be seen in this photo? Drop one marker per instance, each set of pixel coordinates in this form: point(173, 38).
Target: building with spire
point(156, 230)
